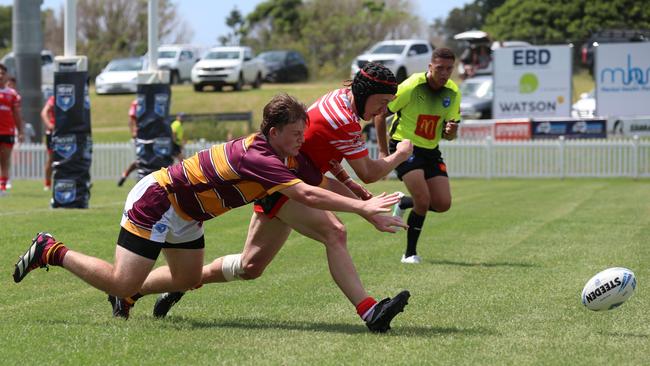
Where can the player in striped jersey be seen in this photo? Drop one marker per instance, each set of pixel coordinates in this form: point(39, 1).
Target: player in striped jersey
point(166, 210)
point(333, 134)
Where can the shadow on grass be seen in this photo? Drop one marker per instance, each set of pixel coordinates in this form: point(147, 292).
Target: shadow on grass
point(264, 324)
point(480, 264)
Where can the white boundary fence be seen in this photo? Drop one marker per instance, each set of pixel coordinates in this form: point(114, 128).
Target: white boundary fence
point(465, 158)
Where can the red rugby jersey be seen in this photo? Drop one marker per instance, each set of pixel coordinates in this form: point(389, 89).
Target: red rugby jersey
point(333, 132)
point(9, 101)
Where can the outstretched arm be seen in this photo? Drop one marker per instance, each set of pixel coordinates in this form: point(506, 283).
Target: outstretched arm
point(339, 173)
point(370, 171)
point(323, 199)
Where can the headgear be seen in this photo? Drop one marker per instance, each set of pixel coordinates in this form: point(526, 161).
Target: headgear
point(372, 78)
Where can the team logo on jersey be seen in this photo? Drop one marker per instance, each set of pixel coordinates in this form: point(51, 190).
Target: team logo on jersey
point(65, 146)
point(160, 104)
point(162, 146)
point(65, 191)
point(141, 106)
point(446, 102)
point(65, 96)
point(160, 227)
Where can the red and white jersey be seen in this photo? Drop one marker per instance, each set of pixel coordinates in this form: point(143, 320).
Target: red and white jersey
point(9, 101)
point(133, 108)
point(333, 132)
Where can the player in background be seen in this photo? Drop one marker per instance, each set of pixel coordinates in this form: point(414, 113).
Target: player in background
point(427, 109)
point(11, 124)
point(133, 129)
point(333, 134)
point(165, 211)
point(48, 119)
point(178, 137)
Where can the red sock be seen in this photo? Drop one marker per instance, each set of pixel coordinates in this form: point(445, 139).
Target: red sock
point(3, 183)
point(365, 305)
point(48, 182)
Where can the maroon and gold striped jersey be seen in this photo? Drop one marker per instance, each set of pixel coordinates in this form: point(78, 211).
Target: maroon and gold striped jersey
point(231, 175)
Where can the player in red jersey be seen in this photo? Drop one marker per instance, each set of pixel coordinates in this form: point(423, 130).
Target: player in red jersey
point(133, 128)
point(333, 134)
point(10, 123)
point(48, 119)
point(166, 210)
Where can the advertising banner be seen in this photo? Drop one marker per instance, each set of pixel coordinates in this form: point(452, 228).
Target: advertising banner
point(628, 126)
point(475, 130)
point(71, 141)
point(519, 130)
point(569, 128)
point(622, 73)
point(154, 138)
point(532, 82)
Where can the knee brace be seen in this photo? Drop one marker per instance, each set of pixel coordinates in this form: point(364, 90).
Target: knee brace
point(231, 267)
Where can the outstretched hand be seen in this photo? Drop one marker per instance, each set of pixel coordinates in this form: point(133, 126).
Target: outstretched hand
point(378, 204)
point(387, 224)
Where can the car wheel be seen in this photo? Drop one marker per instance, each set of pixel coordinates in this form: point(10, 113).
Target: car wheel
point(198, 87)
point(239, 84)
point(258, 81)
point(174, 77)
point(401, 75)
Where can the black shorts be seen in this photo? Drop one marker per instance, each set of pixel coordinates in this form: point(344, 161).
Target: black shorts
point(270, 205)
point(8, 139)
point(176, 149)
point(48, 142)
point(429, 160)
point(151, 249)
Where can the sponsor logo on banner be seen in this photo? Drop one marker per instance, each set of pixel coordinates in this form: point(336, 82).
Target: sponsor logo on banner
point(621, 126)
point(65, 146)
point(65, 191)
point(475, 131)
point(574, 129)
point(505, 130)
point(86, 97)
point(65, 98)
point(160, 104)
point(141, 106)
point(162, 146)
point(622, 76)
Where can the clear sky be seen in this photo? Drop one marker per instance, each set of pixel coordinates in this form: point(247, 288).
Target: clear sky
point(207, 18)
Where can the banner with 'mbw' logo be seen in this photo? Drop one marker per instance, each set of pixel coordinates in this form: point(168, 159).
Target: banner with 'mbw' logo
point(622, 73)
point(532, 82)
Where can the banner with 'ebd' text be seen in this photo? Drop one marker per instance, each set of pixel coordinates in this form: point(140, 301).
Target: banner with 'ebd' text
point(622, 74)
point(532, 82)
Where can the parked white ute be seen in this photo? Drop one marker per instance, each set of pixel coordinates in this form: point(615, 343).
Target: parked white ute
point(179, 60)
point(234, 66)
point(402, 56)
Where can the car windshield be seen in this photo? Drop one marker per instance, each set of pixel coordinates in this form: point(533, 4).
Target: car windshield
point(388, 48)
point(166, 54)
point(127, 64)
point(272, 56)
point(222, 55)
point(481, 89)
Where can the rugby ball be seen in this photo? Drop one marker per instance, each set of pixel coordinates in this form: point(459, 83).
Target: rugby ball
point(608, 289)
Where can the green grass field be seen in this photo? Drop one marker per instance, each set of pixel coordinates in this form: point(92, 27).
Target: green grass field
point(500, 285)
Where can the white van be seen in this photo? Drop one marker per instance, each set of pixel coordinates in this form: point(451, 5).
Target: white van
point(47, 66)
point(402, 56)
point(179, 60)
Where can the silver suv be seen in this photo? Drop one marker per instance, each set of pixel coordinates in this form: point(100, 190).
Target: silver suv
point(402, 56)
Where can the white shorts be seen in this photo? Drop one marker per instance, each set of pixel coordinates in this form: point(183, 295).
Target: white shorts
point(149, 215)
